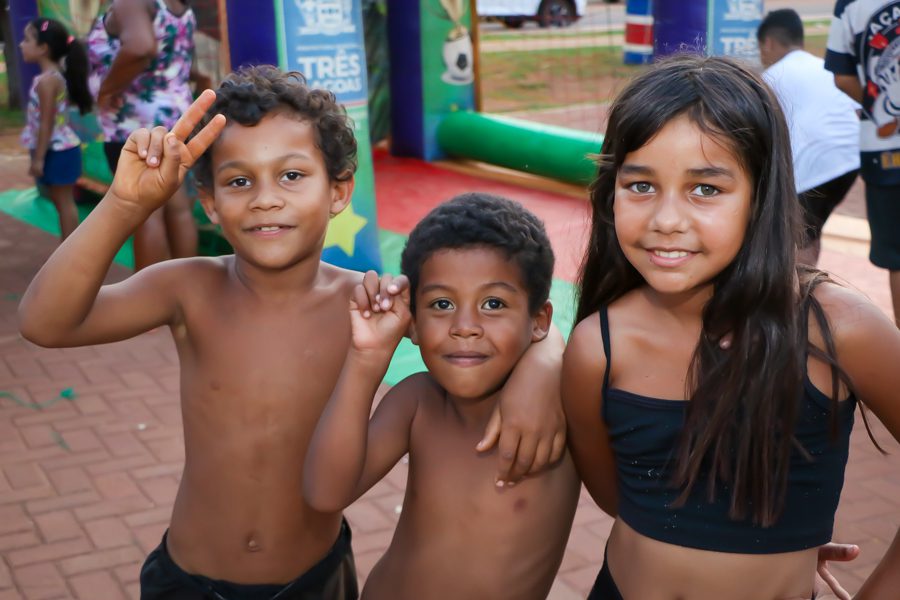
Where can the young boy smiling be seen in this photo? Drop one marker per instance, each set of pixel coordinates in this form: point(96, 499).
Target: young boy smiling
point(261, 335)
point(479, 269)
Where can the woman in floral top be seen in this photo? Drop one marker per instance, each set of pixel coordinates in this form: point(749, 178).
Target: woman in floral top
point(141, 55)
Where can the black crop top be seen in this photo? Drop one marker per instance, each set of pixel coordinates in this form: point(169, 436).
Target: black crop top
point(644, 435)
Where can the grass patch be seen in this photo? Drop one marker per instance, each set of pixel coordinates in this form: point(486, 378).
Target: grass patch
point(816, 44)
point(503, 36)
point(514, 81)
point(11, 119)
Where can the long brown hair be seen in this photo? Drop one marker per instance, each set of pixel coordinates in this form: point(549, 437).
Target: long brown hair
point(743, 400)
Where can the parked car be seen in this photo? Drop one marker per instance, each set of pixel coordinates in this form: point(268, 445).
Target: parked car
point(514, 13)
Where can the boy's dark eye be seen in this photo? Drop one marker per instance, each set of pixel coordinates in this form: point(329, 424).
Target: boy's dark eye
point(493, 304)
point(239, 182)
point(442, 304)
point(293, 175)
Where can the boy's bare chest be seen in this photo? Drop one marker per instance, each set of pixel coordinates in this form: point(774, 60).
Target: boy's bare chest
point(286, 353)
point(449, 476)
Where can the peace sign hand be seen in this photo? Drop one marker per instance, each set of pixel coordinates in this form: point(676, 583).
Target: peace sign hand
point(154, 162)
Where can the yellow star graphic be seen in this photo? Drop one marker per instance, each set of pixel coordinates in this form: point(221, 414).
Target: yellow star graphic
point(343, 229)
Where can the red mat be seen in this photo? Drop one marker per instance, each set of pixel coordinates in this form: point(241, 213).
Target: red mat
point(408, 188)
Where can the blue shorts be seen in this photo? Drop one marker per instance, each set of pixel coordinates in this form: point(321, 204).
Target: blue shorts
point(883, 208)
point(61, 167)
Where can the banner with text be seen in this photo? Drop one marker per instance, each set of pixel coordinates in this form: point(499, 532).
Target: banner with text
point(732, 28)
point(323, 39)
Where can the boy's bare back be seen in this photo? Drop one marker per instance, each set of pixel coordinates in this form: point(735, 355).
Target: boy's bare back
point(513, 537)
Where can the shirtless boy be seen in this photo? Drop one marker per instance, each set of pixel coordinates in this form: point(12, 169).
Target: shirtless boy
point(479, 269)
point(261, 335)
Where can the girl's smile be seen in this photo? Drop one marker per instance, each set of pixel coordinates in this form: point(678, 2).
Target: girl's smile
point(669, 258)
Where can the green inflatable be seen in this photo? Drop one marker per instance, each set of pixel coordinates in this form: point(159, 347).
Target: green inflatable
point(546, 150)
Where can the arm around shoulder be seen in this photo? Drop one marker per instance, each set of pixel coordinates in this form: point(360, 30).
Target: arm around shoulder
point(584, 365)
point(529, 426)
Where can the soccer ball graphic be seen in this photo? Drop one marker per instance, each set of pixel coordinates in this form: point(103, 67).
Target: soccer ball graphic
point(458, 57)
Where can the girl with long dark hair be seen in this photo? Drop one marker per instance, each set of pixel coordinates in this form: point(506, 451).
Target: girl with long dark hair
point(710, 384)
point(55, 147)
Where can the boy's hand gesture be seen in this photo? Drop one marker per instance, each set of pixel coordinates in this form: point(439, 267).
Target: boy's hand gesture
point(154, 162)
point(379, 313)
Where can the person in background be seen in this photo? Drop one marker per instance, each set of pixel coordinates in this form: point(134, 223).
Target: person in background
point(141, 55)
point(863, 55)
point(823, 123)
point(55, 147)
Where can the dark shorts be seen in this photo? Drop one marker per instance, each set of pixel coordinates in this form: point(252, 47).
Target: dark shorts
point(332, 578)
point(112, 150)
point(61, 167)
point(818, 202)
point(883, 208)
point(604, 586)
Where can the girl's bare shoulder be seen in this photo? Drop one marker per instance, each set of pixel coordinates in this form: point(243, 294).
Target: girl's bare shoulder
point(856, 324)
point(49, 83)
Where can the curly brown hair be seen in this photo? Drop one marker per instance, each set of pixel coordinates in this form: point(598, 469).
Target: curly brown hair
point(251, 93)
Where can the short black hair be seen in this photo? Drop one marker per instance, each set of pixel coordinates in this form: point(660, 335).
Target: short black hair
point(784, 25)
point(483, 220)
point(251, 93)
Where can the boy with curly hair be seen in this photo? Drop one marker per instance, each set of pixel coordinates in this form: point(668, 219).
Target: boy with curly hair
point(261, 334)
point(479, 269)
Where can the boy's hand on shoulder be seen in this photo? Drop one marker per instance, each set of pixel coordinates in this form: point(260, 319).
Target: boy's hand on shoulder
point(154, 162)
point(379, 313)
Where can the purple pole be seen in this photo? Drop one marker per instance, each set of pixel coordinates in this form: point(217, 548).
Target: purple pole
point(20, 13)
point(680, 27)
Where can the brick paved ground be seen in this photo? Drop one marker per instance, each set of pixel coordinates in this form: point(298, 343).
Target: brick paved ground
point(87, 482)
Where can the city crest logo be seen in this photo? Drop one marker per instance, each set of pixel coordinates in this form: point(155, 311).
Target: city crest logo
point(326, 17)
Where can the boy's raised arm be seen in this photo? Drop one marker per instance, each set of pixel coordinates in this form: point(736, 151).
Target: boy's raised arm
point(349, 453)
point(65, 304)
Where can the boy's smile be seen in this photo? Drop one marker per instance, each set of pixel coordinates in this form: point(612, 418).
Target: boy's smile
point(472, 322)
point(272, 194)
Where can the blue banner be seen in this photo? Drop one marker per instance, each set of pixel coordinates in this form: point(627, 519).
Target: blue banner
point(731, 29)
point(323, 39)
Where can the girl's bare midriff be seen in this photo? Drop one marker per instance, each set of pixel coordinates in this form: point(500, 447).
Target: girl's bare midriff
point(670, 572)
